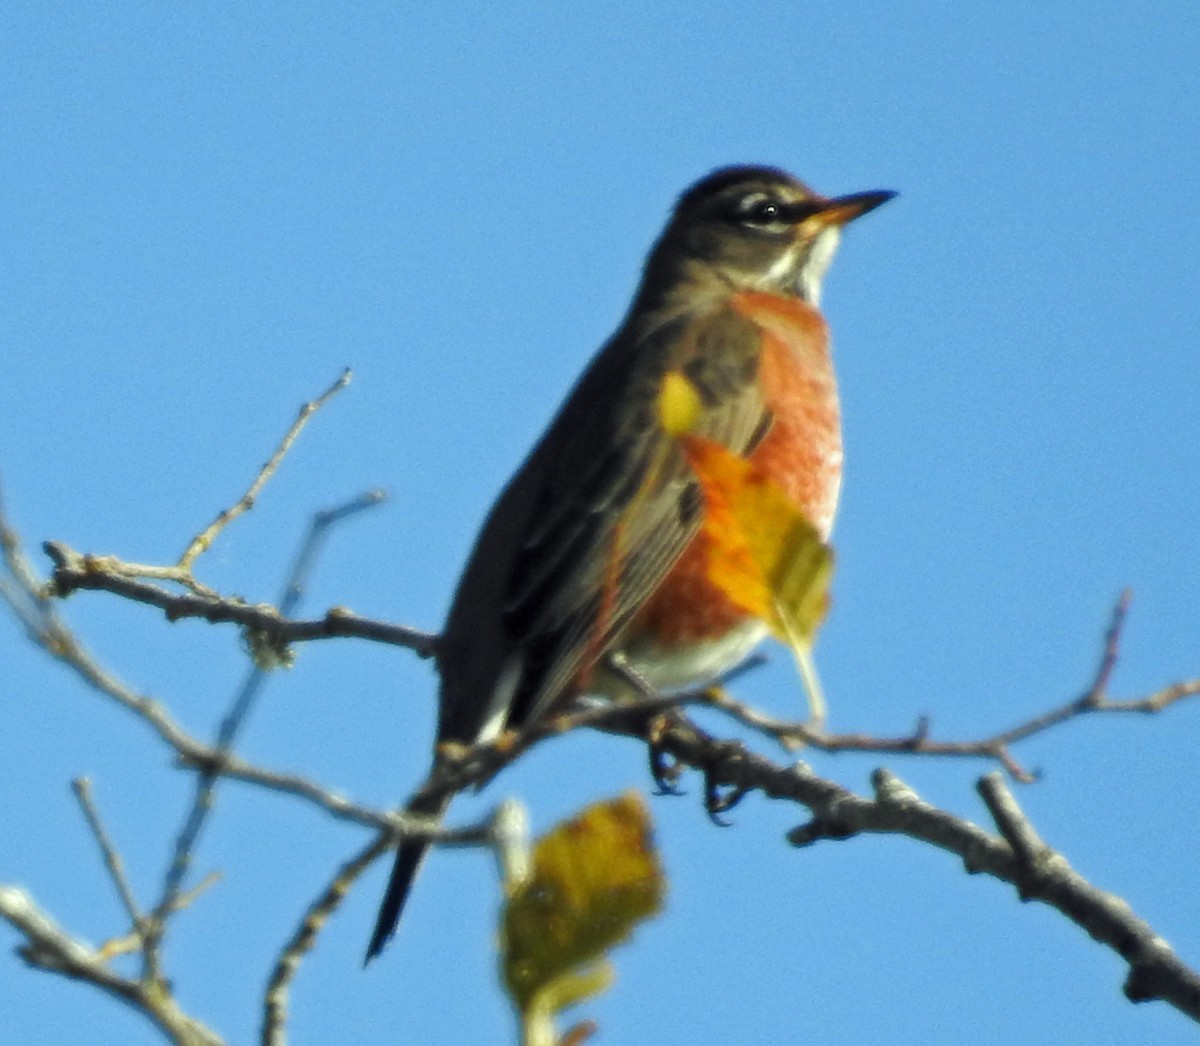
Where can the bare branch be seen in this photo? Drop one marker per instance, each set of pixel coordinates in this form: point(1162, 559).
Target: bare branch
point(998, 747)
point(82, 788)
point(1017, 856)
point(22, 589)
point(74, 570)
point(203, 541)
point(243, 702)
point(52, 635)
point(1042, 874)
point(47, 947)
point(211, 760)
point(78, 571)
point(135, 941)
point(275, 999)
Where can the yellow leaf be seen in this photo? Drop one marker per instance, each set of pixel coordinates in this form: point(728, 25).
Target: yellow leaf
point(679, 404)
point(765, 555)
point(763, 551)
point(594, 878)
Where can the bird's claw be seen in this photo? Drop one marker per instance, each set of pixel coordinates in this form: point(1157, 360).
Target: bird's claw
point(665, 769)
point(718, 801)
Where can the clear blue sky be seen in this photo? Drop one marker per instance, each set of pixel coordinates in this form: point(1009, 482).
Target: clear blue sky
point(208, 211)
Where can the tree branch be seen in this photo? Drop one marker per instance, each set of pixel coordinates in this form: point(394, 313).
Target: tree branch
point(47, 947)
point(203, 541)
point(74, 571)
point(1016, 856)
point(998, 747)
point(275, 999)
point(266, 655)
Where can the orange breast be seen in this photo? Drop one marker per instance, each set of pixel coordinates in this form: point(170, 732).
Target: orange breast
point(802, 453)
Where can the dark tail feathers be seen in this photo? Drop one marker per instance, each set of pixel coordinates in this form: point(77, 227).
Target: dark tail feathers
point(409, 859)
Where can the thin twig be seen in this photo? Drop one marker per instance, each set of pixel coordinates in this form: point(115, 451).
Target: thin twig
point(234, 720)
point(82, 788)
point(998, 747)
point(1018, 855)
point(320, 527)
point(275, 999)
point(1027, 845)
point(74, 571)
point(49, 632)
point(203, 541)
point(49, 948)
point(1156, 972)
point(133, 942)
point(22, 592)
point(1043, 874)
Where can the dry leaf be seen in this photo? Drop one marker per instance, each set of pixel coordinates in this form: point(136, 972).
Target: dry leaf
point(594, 878)
point(764, 552)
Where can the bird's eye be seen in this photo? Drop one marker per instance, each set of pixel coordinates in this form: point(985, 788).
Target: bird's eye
point(760, 211)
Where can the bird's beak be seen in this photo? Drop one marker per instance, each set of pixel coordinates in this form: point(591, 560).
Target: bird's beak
point(843, 209)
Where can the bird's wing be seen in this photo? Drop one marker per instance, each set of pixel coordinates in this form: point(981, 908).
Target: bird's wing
point(615, 502)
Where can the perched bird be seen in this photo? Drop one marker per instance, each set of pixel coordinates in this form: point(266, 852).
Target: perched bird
point(593, 550)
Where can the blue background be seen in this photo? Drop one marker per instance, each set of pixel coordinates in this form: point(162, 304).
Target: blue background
point(207, 211)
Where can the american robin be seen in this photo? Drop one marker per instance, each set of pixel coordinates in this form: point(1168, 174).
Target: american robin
point(593, 549)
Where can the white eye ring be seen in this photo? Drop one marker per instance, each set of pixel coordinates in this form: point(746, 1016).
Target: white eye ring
point(761, 211)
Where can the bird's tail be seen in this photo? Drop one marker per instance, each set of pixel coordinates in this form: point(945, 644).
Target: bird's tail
point(409, 858)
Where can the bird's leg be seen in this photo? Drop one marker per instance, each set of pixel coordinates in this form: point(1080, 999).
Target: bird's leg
point(665, 771)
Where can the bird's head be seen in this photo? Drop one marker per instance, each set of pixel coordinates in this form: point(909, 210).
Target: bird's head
point(755, 228)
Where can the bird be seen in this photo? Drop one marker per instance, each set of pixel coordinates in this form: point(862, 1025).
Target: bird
point(594, 551)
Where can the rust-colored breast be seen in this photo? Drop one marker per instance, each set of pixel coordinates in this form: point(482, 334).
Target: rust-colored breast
point(802, 452)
